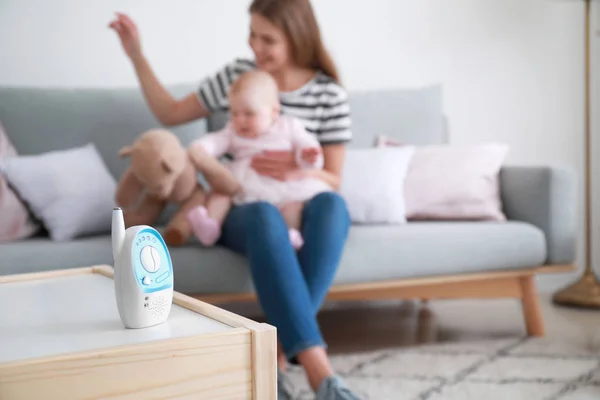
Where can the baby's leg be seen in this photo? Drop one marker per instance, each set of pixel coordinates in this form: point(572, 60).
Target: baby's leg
point(218, 205)
point(206, 220)
point(292, 215)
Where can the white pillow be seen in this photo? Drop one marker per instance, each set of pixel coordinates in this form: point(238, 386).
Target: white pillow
point(373, 184)
point(71, 191)
point(453, 182)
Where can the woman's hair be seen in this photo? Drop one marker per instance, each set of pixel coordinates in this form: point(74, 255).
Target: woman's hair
point(297, 20)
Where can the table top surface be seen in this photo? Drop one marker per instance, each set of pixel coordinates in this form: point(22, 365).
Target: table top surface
point(67, 314)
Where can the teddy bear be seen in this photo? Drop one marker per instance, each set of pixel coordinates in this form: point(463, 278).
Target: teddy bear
point(163, 171)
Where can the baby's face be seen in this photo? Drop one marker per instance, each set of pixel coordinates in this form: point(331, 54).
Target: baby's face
point(251, 118)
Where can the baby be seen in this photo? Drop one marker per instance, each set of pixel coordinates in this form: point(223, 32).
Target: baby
point(256, 125)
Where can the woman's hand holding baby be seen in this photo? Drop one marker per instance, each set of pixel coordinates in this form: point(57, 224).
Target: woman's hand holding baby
point(279, 165)
point(282, 164)
point(310, 154)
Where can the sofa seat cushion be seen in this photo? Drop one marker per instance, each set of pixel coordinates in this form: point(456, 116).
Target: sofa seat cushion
point(40, 253)
point(195, 268)
point(421, 249)
point(373, 253)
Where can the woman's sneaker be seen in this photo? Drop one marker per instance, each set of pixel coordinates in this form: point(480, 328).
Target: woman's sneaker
point(284, 388)
point(334, 388)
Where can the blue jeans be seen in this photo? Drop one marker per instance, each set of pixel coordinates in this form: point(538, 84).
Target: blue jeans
point(291, 286)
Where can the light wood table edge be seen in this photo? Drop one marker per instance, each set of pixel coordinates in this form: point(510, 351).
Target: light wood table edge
point(263, 336)
point(114, 351)
point(32, 276)
point(41, 376)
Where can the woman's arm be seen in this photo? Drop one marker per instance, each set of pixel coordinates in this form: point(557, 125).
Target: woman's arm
point(167, 110)
point(333, 132)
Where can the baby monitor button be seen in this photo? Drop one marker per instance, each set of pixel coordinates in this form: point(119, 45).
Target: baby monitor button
point(146, 280)
point(150, 259)
point(162, 277)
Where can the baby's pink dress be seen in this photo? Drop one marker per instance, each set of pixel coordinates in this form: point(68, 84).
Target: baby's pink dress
point(287, 133)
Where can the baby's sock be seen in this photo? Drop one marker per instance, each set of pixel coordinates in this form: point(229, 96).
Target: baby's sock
point(296, 238)
point(206, 229)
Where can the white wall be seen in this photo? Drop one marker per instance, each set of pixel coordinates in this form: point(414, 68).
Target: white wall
point(512, 69)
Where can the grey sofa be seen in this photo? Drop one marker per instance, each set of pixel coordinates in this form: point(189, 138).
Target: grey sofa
point(419, 259)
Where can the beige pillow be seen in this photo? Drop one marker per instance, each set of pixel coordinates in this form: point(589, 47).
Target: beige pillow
point(16, 222)
point(453, 182)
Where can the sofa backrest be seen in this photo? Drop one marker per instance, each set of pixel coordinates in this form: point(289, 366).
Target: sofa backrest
point(43, 119)
point(412, 116)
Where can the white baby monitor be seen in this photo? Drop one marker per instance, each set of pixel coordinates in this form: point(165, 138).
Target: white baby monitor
point(143, 274)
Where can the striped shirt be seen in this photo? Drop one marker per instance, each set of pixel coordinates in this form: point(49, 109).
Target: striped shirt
point(321, 104)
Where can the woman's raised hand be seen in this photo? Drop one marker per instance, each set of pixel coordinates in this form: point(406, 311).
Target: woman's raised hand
point(128, 34)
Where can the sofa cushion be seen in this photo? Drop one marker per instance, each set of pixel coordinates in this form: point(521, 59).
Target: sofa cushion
point(453, 182)
point(41, 253)
point(71, 191)
point(373, 184)
point(420, 249)
point(195, 268)
point(16, 222)
point(372, 253)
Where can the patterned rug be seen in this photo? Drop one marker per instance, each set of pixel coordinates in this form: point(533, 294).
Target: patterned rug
point(513, 369)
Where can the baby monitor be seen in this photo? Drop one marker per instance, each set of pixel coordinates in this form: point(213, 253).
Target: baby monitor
point(143, 274)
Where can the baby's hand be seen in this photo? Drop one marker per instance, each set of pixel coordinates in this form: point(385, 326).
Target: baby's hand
point(310, 154)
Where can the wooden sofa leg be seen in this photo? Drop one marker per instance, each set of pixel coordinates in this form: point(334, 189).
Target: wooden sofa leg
point(532, 309)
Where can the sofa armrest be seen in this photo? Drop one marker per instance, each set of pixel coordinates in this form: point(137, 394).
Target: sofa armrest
point(545, 196)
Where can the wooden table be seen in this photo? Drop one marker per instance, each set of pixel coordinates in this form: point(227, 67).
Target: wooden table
point(61, 338)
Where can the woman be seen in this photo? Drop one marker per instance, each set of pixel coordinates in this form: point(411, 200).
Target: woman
point(286, 41)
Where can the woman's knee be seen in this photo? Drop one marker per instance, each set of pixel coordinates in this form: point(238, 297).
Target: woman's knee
point(263, 217)
point(330, 203)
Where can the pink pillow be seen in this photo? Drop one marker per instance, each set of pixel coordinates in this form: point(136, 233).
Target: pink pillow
point(453, 182)
point(16, 222)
